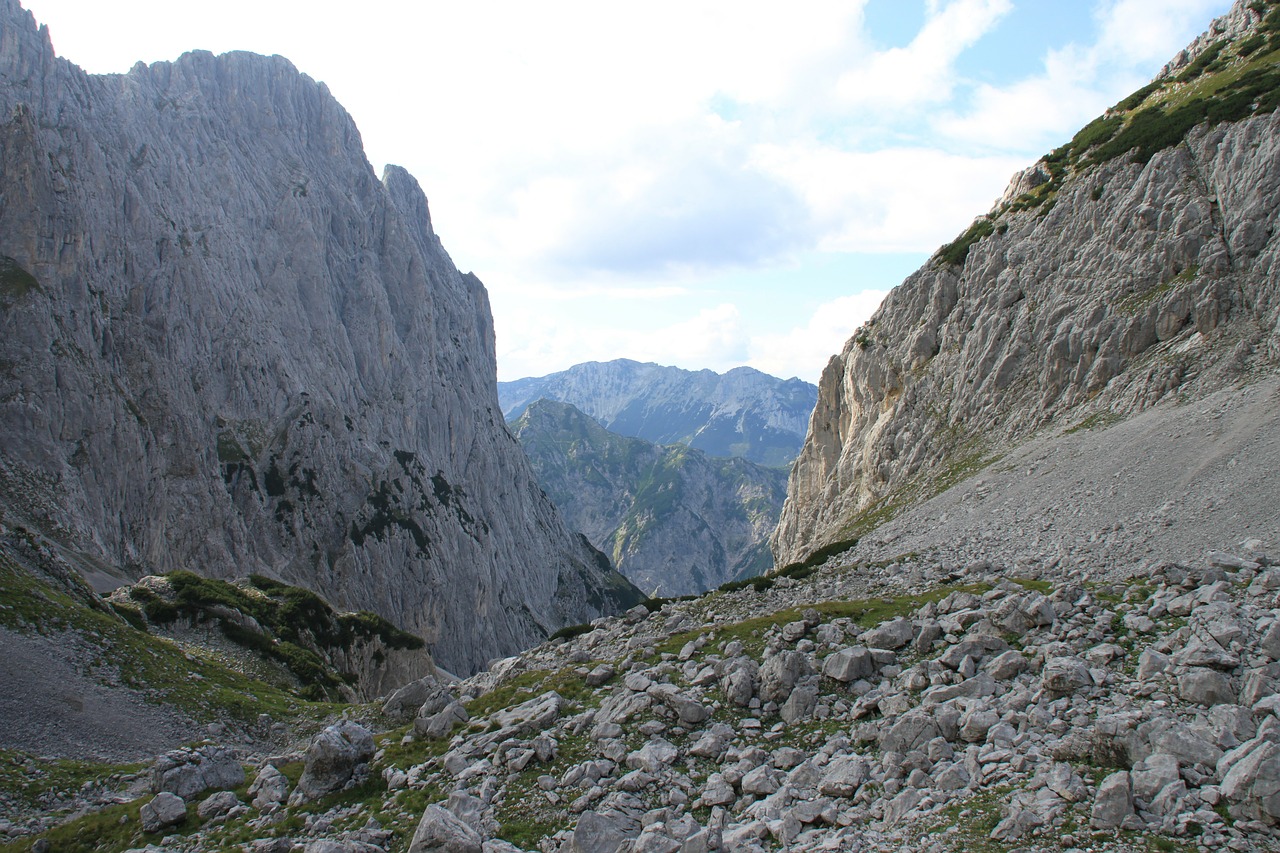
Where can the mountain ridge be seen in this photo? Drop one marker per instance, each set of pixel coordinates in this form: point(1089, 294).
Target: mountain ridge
point(1133, 264)
point(674, 520)
point(742, 412)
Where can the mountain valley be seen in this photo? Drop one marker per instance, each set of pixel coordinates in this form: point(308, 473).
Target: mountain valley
point(284, 569)
point(674, 520)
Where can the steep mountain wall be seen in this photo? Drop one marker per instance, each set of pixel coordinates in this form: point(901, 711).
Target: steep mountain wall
point(741, 412)
point(674, 520)
point(226, 346)
point(1136, 264)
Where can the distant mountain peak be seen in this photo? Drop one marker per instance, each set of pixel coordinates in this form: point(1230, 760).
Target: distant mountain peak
point(743, 412)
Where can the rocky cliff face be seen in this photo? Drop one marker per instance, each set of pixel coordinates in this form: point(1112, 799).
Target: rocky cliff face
point(742, 412)
point(674, 520)
point(1136, 264)
point(225, 345)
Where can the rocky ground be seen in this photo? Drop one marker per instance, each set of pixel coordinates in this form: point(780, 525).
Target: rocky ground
point(1111, 496)
point(909, 705)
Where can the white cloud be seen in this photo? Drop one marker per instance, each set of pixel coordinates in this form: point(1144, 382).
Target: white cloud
point(900, 199)
point(711, 338)
point(921, 73)
point(1079, 81)
point(805, 351)
point(1150, 31)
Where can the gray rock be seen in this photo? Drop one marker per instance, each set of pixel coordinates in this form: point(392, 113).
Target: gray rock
point(270, 788)
point(332, 758)
point(217, 805)
point(800, 704)
point(440, 831)
point(1252, 779)
point(1151, 663)
point(1113, 803)
point(717, 792)
point(976, 647)
point(654, 757)
point(975, 724)
point(842, 777)
point(1205, 686)
point(1205, 652)
point(779, 674)
point(762, 781)
point(1005, 666)
point(187, 772)
point(163, 810)
point(408, 700)
point(596, 833)
point(893, 634)
point(532, 715)
point(601, 674)
point(441, 724)
point(739, 680)
point(1063, 676)
point(911, 731)
point(1270, 642)
point(849, 664)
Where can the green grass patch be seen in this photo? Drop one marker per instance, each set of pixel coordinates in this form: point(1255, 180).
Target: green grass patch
point(30, 781)
point(525, 816)
point(866, 613)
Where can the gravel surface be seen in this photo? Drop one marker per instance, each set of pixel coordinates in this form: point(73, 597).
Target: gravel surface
point(1166, 485)
point(50, 707)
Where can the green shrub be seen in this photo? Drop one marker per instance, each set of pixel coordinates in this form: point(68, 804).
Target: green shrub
point(160, 612)
point(1135, 100)
point(653, 605)
point(132, 615)
point(1251, 44)
point(760, 584)
point(955, 252)
point(1096, 132)
point(369, 625)
point(568, 632)
point(1202, 62)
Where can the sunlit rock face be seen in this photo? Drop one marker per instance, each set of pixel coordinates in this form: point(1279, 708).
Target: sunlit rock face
point(1127, 278)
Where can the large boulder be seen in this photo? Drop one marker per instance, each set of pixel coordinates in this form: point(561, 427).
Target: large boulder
point(270, 789)
point(849, 664)
point(1063, 676)
point(440, 831)
point(779, 675)
point(165, 809)
point(1113, 803)
point(186, 772)
point(333, 758)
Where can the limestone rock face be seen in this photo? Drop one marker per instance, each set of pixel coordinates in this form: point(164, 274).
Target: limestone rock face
point(225, 345)
point(1125, 283)
point(674, 520)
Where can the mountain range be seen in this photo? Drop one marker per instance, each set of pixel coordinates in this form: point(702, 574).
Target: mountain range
point(742, 413)
point(674, 520)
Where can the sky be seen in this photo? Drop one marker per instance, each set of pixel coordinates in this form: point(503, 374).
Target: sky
point(700, 183)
